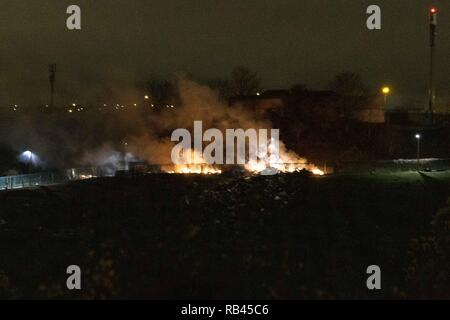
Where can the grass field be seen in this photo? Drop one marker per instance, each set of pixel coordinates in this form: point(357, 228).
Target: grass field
point(171, 236)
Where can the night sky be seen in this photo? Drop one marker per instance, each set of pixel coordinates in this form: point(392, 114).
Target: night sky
point(122, 42)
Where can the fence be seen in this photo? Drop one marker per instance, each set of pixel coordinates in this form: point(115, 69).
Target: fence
point(400, 165)
point(47, 178)
point(27, 180)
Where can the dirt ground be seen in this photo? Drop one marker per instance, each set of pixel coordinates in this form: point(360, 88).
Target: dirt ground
point(289, 236)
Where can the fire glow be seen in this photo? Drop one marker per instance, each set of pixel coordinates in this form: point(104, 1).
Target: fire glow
point(196, 165)
point(288, 163)
point(280, 161)
point(194, 169)
point(254, 149)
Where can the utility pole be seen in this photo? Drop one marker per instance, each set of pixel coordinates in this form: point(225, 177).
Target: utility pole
point(431, 91)
point(52, 76)
point(418, 137)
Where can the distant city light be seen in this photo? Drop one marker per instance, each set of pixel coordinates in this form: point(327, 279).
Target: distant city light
point(146, 97)
point(74, 104)
point(433, 10)
point(418, 136)
point(386, 90)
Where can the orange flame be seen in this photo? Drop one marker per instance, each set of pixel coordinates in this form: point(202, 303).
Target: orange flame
point(288, 163)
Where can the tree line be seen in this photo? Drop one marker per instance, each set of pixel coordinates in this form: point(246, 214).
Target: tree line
point(244, 82)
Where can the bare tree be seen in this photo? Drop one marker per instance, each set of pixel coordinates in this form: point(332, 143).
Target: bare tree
point(348, 84)
point(353, 96)
point(244, 82)
point(161, 91)
point(222, 87)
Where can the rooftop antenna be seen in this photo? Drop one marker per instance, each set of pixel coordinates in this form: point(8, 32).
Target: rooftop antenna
point(431, 91)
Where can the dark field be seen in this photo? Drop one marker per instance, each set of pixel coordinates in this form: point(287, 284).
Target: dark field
point(171, 236)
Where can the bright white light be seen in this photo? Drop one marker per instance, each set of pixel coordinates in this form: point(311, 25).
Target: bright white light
point(418, 136)
point(29, 158)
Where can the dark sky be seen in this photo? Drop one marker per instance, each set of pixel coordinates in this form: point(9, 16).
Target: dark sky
point(285, 41)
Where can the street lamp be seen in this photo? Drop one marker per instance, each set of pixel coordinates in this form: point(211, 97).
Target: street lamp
point(418, 137)
point(385, 91)
point(29, 158)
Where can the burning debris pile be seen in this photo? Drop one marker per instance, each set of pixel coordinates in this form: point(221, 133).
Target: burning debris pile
point(200, 107)
point(197, 168)
point(284, 162)
point(262, 167)
point(253, 168)
point(196, 164)
point(268, 158)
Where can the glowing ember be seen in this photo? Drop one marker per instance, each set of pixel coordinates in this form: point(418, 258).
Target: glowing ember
point(286, 162)
point(318, 172)
point(282, 161)
point(194, 169)
point(261, 166)
point(196, 165)
point(86, 176)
